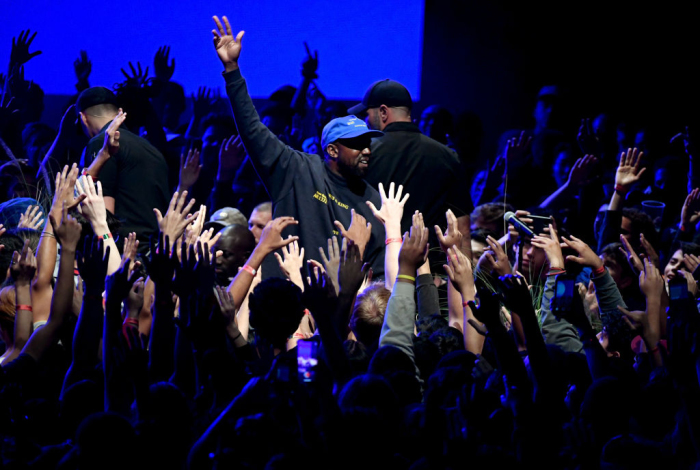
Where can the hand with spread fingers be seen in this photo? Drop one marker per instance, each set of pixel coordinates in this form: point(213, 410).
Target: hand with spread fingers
point(552, 248)
point(391, 211)
point(271, 237)
point(452, 236)
point(189, 170)
point(177, 218)
point(628, 171)
point(331, 263)
point(459, 270)
point(633, 259)
point(586, 256)
point(31, 218)
point(292, 262)
point(227, 47)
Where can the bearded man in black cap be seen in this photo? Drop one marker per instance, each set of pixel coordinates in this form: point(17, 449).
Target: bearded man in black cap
point(428, 170)
point(133, 173)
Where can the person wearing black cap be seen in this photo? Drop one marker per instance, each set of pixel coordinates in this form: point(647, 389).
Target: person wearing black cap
point(317, 194)
point(427, 169)
point(135, 178)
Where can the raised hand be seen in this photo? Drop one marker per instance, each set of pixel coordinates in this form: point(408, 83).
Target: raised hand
point(310, 64)
point(227, 47)
point(582, 171)
point(551, 246)
point(177, 218)
point(331, 262)
point(204, 270)
point(352, 272)
point(271, 237)
point(19, 53)
point(516, 295)
point(118, 284)
point(23, 265)
point(392, 205)
point(131, 247)
point(496, 258)
point(691, 262)
point(202, 102)
point(93, 206)
point(459, 270)
point(649, 251)
point(134, 300)
point(92, 265)
point(226, 304)
point(83, 68)
point(319, 295)
point(136, 79)
point(189, 170)
point(452, 236)
point(414, 251)
point(359, 231)
point(185, 277)
point(628, 171)
point(588, 141)
point(31, 218)
point(633, 259)
point(68, 231)
point(163, 70)
point(65, 184)
point(231, 156)
point(292, 263)
point(162, 264)
point(590, 301)
point(690, 213)
point(651, 283)
point(513, 153)
point(111, 143)
point(586, 256)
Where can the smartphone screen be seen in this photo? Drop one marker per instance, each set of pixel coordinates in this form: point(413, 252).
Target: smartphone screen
point(678, 290)
point(307, 360)
point(563, 295)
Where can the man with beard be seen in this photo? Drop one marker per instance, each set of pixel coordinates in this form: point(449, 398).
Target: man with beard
point(324, 196)
point(236, 244)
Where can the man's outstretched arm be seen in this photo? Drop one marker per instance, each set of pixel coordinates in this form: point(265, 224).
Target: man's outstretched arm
point(272, 159)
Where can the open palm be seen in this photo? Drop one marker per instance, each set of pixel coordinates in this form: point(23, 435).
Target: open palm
point(228, 47)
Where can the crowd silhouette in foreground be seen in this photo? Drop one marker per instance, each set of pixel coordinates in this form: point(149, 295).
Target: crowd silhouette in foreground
point(322, 286)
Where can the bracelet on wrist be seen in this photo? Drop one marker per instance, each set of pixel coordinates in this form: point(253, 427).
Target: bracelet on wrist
point(28, 308)
point(599, 271)
point(393, 240)
point(406, 277)
point(249, 269)
point(106, 236)
point(620, 189)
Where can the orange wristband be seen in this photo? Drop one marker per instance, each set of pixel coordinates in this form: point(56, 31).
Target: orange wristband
point(393, 240)
point(250, 269)
point(28, 308)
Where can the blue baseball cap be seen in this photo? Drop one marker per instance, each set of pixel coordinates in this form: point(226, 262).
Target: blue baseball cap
point(345, 127)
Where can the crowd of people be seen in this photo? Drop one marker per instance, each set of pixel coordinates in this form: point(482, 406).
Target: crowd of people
point(365, 293)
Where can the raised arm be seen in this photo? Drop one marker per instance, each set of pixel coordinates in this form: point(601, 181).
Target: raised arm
point(390, 215)
point(67, 231)
point(272, 159)
point(23, 268)
point(94, 210)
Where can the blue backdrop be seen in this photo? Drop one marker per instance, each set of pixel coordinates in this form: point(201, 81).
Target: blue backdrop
point(358, 42)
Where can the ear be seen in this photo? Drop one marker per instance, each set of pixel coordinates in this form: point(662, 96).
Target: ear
point(332, 151)
point(83, 118)
point(384, 113)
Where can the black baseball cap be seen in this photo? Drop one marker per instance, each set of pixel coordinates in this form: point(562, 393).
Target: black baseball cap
point(388, 92)
point(93, 96)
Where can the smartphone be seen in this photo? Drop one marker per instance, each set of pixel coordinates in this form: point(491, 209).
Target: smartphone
point(678, 288)
point(539, 223)
point(307, 360)
point(563, 299)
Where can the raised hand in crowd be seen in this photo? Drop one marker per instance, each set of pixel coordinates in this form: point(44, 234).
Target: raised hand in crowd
point(231, 156)
point(292, 262)
point(331, 263)
point(690, 213)
point(31, 218)
point(189, 170)
point(164, 71)
point(177, 217)
point(20, 55)
point(137, 79)
point(494, 261)
point(227, 47)
point(83, 68)
point(390, 214)
point(359, 231)
point(586, 256)
point(552, 248)
point(588, 141)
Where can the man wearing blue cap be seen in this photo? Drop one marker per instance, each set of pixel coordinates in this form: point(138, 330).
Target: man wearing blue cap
point(316, 193)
